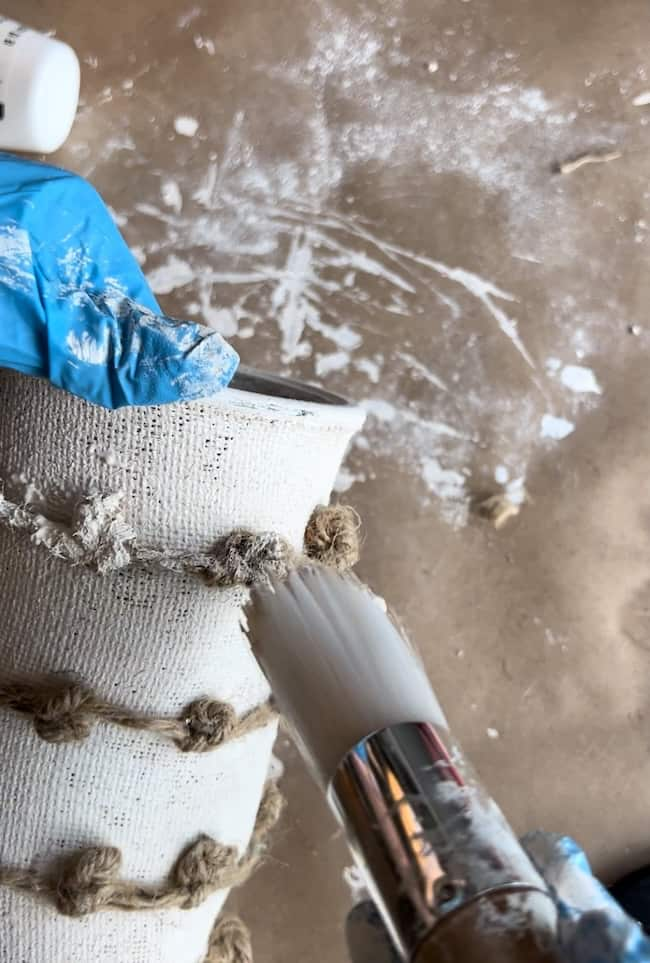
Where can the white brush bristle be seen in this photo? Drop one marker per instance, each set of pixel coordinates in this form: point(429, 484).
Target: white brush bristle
point(337, 665)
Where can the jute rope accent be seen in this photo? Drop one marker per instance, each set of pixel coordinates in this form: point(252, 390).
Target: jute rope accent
point(89, 880)
point(65, 711)
point(230, 942)
point(97, 536)
point(332, 536)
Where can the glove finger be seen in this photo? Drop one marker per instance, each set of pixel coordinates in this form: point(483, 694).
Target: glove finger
point(592, 927)
point(76, 308)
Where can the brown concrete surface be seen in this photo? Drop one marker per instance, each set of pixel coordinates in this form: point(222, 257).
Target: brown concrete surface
point(348, 157)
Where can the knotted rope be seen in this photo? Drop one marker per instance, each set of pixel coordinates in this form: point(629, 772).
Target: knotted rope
point(332, 536)
point(65, 711)
point(229, 942)
point(89, 880)
point(97, 536)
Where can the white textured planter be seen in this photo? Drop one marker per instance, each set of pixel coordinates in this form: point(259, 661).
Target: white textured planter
point(151, 641)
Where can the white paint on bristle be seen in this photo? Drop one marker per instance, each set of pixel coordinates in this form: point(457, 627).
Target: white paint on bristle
point(337, 665)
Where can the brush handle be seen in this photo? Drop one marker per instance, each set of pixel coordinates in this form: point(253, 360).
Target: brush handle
point(493, 929)
point(428, 839)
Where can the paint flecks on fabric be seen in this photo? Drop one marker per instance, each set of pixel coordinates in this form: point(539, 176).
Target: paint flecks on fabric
point(88, 350)
point(16, 269)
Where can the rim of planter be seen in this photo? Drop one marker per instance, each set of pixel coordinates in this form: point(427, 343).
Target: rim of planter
point(276, 395)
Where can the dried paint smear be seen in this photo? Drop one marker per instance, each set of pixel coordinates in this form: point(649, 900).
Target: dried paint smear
point(306, 240)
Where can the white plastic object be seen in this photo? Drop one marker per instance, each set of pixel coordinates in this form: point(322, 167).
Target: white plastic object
point(151, 641)
point(39, 89)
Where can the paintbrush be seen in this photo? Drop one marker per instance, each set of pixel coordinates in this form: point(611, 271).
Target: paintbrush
point(447, 874)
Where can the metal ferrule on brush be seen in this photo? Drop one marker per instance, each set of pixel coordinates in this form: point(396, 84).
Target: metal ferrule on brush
point(425, 834)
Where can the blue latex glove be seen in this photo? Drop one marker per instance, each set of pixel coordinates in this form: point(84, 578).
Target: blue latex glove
point(75, 307)
point(592, 927)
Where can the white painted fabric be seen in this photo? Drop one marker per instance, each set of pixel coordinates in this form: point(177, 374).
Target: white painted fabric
point(150, 641)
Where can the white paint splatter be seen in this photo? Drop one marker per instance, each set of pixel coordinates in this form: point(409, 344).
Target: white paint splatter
point(278, 244)
point(381, 409)
point(449, 486)
point(276, 768)
point(642, 100)
point(186, 126)
point(139, 253)
point(580, 380)
point(120, 219)
point(516, 491)
point(16, 265)
point(484, 291)
point(371, 367)
point(356, 883)
point(174, 273)
point(185, 19)
point(422, 371)
point(290, 298)
point(346, 479)
point(171, 195)
point(224, 320)
point(86, 349)
point(336, 361)
point(341, 334)
point(501, 474)
point(120, 142)
point(204, 43)
point(492, 733)
point(555, 427)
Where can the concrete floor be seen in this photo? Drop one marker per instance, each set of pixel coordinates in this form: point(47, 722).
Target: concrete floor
point(369, 201)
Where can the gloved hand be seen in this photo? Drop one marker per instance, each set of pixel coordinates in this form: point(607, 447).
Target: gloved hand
point(75, 307)
point(592, 927)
